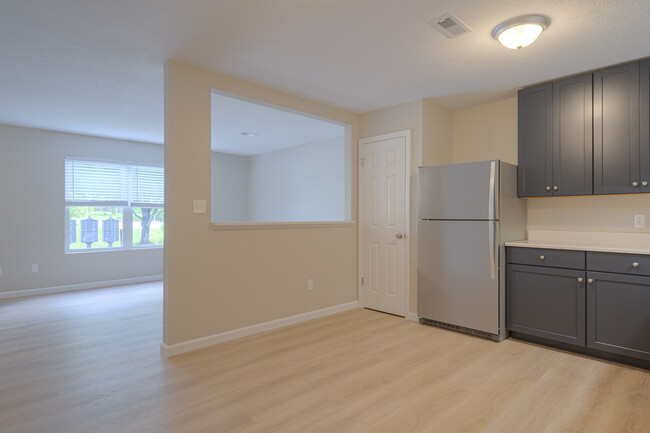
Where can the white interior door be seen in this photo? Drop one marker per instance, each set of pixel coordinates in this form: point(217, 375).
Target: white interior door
point(383, 211)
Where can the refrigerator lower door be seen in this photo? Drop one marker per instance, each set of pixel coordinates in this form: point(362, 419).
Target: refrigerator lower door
point(458, 277)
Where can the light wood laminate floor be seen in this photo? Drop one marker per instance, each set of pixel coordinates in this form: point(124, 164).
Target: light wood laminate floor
point(90, 362)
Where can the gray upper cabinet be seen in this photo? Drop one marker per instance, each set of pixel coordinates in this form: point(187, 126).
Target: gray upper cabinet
point(617, 159)
point(572, 136)
point(645, 127)
point(555, 138)
point(586, 135)
point(535, 137)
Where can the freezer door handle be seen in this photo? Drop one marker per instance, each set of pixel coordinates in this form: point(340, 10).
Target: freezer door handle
point(492, 258)
point(491, 191)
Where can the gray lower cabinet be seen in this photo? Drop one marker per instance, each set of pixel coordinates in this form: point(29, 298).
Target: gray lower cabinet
point(596, 303)
point(546, 302)
point(618, 314)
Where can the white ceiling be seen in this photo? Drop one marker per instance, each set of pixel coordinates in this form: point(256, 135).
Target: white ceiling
point(277, 129)
point(96, 66)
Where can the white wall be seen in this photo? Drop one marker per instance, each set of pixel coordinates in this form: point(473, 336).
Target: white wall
point(32, 211)
point(229, 187)
point(300, 183)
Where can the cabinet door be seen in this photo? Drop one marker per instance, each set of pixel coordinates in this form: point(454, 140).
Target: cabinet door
point(645, 127)
point(535, 135)
point(616, 130)
point(572, 136)
point(618, 314)
point(546, 302)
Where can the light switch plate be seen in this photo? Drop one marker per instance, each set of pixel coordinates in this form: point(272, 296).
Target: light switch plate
point(0, 272)
point(639, 221)
point(34, 268)
point(199, 206)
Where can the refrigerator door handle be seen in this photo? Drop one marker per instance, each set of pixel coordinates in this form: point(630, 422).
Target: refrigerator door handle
point(491, 215)
point(491, 242)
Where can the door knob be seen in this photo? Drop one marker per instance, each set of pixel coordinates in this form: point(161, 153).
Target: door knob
point(580, 279)
point(644, 183)
point(399, 235)
point(590, 281)
point(548, 188)
point(555, 188)
point(635, 264)
point(541, 257)
point(635, 183)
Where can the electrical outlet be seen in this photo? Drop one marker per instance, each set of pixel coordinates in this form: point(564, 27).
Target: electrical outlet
point(199, 206)
point(639, 221)
point(34, 268)
point(310, 284)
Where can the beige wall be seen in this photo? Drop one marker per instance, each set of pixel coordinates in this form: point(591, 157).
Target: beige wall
point(489, 131)
point(484, 132)
point(217, 281)
point(605, 213)
point(437, 134)
point(32, 213)
point(430, 127)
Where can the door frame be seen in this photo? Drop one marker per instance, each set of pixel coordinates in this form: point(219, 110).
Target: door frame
point(406, 134)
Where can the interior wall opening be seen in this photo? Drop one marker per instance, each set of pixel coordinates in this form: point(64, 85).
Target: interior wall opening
point(270, 164)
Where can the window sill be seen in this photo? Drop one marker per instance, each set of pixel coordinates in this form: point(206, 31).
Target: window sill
point(281, 225)
point(105, 250)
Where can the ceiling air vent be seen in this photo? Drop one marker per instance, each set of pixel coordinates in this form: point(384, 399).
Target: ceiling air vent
point(450, 25)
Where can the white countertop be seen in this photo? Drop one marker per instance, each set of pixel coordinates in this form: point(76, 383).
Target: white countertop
point(628, 243)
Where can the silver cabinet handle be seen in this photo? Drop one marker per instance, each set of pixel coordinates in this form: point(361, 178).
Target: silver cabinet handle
point(580, 280)
point(555, 188)
point(590, 281)
point(635, 264)
point(548, 188)
point(635, 183)
point(644, 183)
point(399, 235)
point(541, 257)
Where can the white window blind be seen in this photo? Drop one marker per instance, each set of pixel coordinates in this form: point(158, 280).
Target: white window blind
point(112, 183)
point(147, 186)
point(90, 181)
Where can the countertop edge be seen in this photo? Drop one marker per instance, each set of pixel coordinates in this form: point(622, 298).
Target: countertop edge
point(580, 247)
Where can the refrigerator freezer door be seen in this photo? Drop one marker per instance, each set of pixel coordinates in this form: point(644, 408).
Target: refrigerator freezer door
point(459, 191)
point(458, 278)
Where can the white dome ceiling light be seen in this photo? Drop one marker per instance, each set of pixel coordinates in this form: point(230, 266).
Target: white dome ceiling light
point(520, 32)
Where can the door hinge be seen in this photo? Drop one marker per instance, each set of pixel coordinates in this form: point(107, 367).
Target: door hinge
point(363, 161)
point(362, 281)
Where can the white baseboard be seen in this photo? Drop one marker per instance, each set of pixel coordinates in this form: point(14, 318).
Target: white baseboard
point(210, 340)
point(75, 287)
point(413, 317)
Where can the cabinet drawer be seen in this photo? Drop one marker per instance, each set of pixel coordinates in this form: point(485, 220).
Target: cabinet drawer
point(619, 263)
point(546, 257)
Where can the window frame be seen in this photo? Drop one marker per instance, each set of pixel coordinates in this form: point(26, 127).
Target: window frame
point(127, 209)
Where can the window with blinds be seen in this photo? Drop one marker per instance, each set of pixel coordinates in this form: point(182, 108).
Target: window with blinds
point(113, 205)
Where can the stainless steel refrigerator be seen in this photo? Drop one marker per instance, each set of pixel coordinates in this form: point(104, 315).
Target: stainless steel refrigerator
point(465, 214)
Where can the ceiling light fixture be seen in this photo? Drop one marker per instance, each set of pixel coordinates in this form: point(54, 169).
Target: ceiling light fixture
point(520, 32)
point(249, 134)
